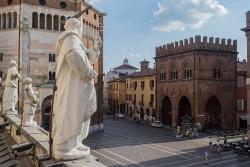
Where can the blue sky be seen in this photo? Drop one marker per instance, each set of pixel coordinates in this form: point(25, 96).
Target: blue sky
point(133, 28)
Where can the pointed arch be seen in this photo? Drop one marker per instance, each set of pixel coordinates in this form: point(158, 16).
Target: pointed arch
point(174, 71)
point(217, 69)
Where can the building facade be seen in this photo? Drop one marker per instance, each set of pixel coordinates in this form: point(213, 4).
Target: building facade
point(247, 32)
point(42, 21)
point(114, 74)
point(241, 94)
point(140, 93)
point(116, 95)
point(193, 78)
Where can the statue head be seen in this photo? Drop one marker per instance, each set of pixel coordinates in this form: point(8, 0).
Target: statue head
point(27, 81)
point(13, 63)
point(73, 24)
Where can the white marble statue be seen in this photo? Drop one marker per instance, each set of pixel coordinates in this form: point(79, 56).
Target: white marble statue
point(10, 94)
point(75, 97)
point(30, 103)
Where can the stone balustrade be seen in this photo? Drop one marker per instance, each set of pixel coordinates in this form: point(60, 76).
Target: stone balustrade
point(40, 139)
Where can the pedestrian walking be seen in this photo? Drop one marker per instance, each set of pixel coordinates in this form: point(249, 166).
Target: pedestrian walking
point(206, 155)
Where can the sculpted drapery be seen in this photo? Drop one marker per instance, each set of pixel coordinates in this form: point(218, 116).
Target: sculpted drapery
point(75, 97)
point(10, 94)
point(30, 103)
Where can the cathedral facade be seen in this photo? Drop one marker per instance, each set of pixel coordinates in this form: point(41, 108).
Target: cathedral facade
point(28, 34)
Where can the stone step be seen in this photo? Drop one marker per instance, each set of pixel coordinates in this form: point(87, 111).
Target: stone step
point(4, 159)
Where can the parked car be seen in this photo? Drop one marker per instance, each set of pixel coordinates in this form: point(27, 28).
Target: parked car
point(120, 115)
point(157, 124)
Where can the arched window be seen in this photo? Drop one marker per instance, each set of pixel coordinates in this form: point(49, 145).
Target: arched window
point(56, 22)
point(173, 73)
point(217, 71)
point(15, 20)
point(52, 75)
point(9, 2)
point(187, 71)
point(34, 20)
point(4, 21)
point(54, 58)
point(42, 2)
point(50, 57)
point(42, 21)
point(49, 22)
point(62, 21)
point(162, 76)
point(9, 20)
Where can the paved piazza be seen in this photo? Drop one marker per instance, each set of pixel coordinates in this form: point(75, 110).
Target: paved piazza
point(126, 143)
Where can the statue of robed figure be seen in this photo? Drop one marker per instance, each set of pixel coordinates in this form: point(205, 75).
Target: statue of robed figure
point(75, 97)
point(10, 93)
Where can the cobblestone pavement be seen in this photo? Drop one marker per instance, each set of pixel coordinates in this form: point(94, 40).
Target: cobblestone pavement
point(126, 143)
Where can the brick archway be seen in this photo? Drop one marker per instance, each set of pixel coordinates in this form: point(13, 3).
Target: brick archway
point(213, 110)
point(184, 108)
point(166, 111)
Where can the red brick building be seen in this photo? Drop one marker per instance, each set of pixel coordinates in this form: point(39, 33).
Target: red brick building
point(193, 78)
point(241, 94)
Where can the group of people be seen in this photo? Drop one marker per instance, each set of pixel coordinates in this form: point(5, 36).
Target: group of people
point(190, 132)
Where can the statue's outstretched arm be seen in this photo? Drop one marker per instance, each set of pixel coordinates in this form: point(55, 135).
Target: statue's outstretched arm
point(80, 66)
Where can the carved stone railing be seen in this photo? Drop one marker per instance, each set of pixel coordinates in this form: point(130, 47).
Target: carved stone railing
point(40, 139)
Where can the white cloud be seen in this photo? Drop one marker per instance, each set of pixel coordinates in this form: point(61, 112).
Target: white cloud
point(92, 2)
point(200, 18)
point(171, 26)
point(187, 14)
point(161, 9)
point(217, 7)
